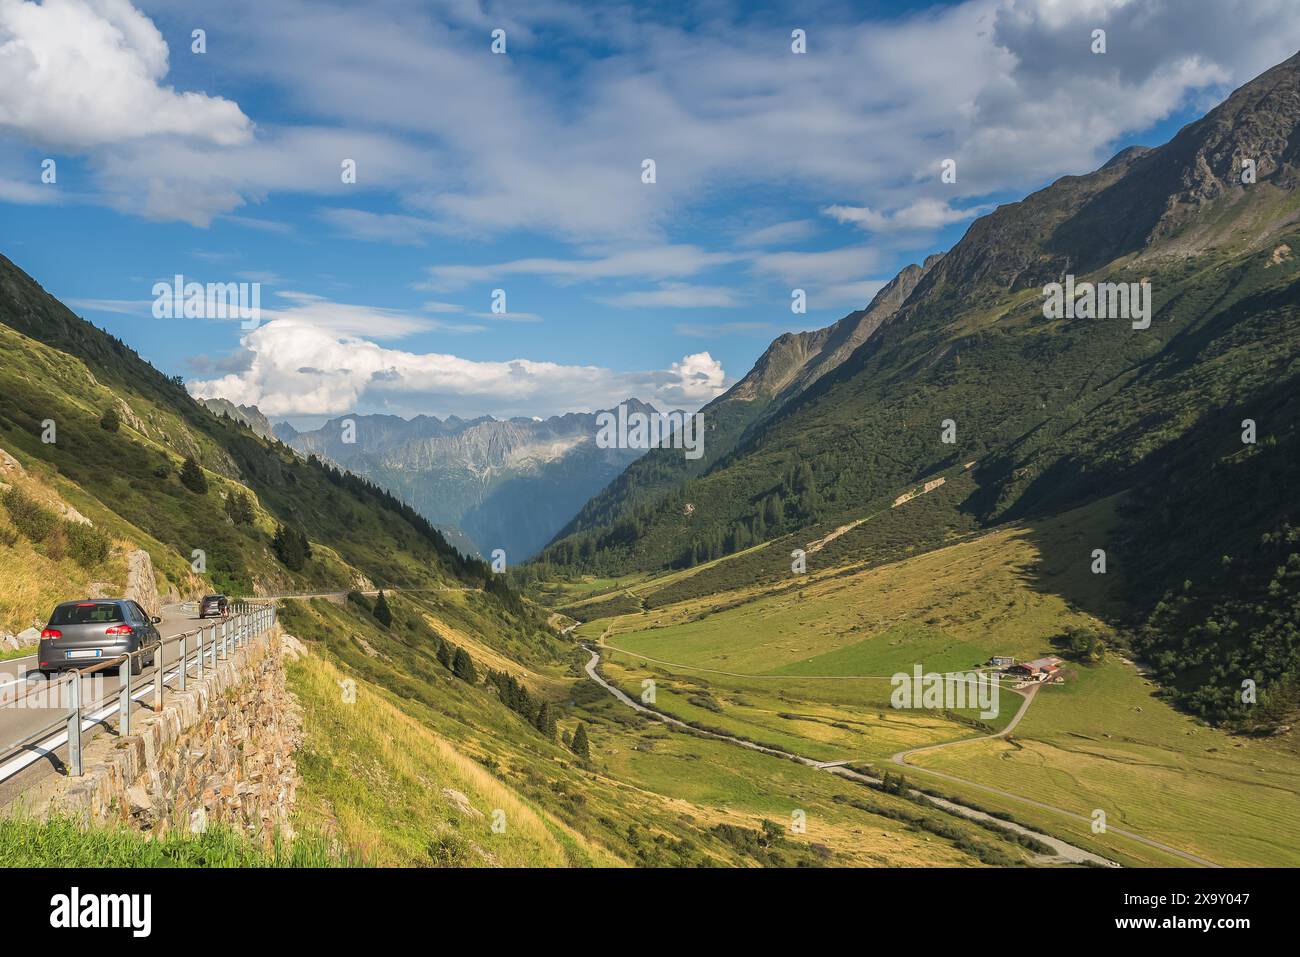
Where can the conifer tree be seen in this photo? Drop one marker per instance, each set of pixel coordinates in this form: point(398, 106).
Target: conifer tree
point(462, 666)
point(546, 721)
point(382, 613)
point(192, 477)
point(580, 745)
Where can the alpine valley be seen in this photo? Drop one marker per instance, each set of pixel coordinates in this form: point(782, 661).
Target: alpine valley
point(691, 661)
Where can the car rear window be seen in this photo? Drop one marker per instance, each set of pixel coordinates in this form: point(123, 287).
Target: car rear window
point(86, 613)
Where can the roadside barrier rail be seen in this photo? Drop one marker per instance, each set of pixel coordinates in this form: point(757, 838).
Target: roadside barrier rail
point(195, 654)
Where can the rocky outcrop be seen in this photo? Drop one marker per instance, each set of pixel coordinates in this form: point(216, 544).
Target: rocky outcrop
point(72, 515)
point(141, 585)
point(249, 415)
point(11, 470)
point(27, 638)
point(10, 466)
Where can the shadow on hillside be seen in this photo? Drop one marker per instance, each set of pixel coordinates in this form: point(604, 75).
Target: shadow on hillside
point(1169, 519)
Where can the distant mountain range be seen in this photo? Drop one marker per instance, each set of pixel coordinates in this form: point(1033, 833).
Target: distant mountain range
point(508, 484)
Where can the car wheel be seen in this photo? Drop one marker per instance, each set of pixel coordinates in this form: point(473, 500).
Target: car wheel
point(137, 665)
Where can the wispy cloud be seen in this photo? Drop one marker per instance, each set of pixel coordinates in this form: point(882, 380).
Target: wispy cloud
point(924, 215)
point(124, 307)
point(393, 228)
point(675, 296)
point(508, 316)
point(804, 268)
point(719, 330)
point(778, 234)
point(651, 262)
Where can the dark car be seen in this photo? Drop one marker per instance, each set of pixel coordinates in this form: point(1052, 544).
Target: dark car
point(83, 632)
point(217, 605)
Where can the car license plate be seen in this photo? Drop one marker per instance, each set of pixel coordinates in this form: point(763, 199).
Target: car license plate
point(88, 653)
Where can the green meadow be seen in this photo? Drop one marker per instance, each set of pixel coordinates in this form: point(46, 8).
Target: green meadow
point(1107, 741)
point(804, 666)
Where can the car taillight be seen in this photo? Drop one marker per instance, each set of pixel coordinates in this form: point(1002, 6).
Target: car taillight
point(119, 630)
point(51, 633)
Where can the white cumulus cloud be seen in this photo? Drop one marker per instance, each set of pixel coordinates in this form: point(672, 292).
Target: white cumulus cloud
point(297, 366)
point(85, 73)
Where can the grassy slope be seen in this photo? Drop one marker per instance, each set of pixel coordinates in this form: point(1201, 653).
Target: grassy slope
point(396, 793)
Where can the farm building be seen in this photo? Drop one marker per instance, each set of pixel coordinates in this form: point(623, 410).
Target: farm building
point(1040, 669)
point(1002, 661)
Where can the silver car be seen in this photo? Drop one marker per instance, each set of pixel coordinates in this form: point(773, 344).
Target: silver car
point(83, 632)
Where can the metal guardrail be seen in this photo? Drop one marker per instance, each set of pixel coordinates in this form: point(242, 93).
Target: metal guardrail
point(247, 621)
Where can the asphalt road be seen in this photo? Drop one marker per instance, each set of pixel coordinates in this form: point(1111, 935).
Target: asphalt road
point(20, 770)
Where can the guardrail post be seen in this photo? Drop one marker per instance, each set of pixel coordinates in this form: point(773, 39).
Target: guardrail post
point(158, 678)
point(124, 697)
point(225, 637)
point(200, 653)
point(74, 728)
point(185, 665)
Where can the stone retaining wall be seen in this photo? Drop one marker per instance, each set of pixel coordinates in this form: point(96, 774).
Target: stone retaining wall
point(220, 751)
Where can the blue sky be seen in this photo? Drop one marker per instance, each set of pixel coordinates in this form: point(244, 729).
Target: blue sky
point(522, 171)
